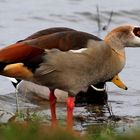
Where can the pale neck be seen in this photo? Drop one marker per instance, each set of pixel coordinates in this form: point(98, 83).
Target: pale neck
point(116, 44)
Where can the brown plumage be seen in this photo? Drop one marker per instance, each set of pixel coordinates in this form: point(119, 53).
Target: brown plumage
point(63, 39)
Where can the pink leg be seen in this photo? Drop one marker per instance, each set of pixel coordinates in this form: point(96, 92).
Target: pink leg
point(70, 107)
point(52, 99)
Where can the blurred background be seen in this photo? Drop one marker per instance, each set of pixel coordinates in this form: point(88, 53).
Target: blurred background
point(19, 19)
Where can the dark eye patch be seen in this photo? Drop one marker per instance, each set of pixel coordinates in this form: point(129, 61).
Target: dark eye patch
point(136, 31)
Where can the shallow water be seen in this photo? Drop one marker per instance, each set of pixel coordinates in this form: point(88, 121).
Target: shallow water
point(20, 19)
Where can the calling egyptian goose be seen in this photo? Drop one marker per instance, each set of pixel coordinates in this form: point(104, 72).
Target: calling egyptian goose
point(70, 71)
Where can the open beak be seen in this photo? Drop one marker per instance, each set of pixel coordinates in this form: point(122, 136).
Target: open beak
point(116, 80)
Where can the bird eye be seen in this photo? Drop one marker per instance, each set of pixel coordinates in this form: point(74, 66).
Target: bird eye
point(136, 31)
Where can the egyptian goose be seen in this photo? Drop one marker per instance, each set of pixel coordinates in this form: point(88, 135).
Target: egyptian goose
point(59, 37)
point(70, 71)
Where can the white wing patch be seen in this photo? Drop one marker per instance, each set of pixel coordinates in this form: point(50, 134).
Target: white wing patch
point(79, 50)
point(12, 79)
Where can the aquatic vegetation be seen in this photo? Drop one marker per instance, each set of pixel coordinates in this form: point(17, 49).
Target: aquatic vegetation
point(41, 131)
point(35, 131)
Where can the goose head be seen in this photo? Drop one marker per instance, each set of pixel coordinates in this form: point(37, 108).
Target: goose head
point(123, 36)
